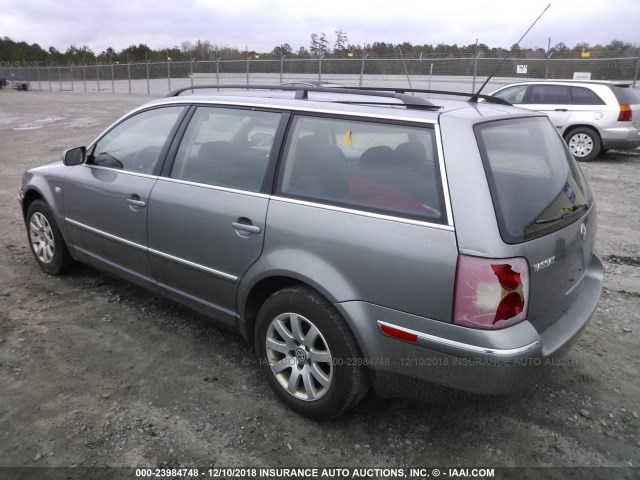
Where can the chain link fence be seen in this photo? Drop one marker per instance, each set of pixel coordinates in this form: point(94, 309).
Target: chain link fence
point(461, 74)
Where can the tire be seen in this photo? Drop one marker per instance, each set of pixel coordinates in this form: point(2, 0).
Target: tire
point(584, 143)
point(308, 354)
point(45, 239)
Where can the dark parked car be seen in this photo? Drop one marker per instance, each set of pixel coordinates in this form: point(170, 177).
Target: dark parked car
point(380, 243)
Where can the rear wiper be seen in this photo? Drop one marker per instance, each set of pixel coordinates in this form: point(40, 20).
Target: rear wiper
point(572, 211)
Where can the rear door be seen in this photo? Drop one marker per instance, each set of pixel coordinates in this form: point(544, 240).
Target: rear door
point(554, 100)
point(360, 213)
point(207, 215)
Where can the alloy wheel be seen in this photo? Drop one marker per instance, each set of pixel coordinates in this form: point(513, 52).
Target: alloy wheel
point(41, 237)
point(299, 356)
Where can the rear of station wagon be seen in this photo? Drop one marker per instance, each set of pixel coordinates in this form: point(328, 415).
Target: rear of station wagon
point(448, 242)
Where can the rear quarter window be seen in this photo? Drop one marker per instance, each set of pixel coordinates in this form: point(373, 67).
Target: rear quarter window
point(584, 96)
point(533, 178)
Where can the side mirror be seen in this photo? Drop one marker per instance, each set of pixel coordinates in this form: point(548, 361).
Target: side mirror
point(74, 156)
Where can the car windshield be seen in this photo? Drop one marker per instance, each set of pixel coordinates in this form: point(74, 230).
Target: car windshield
point(535, 183)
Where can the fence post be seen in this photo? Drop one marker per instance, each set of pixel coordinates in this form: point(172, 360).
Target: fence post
point(191, 68)
point(113, 82)
point(169, 72)
point(546, 71)
point(49, 71)
point(60, 76)
point(98, 75)
point(218, 70)
point(73, 88)
point(129, 74)
point(282, 69)
point(635, 77)
point(148, 82)
point(475, 69)
point(38, 73)
point(26, 72)
point(320, 67)
point(248, 58)
point(364, 57)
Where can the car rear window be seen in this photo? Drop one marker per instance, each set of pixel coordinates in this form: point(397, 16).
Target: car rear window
point(626, 95)
point(535, 183)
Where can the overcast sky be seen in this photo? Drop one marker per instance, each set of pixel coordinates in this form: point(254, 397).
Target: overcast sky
point(262, 25)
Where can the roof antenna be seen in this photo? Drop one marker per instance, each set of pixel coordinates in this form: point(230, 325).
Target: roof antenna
point(475, 96)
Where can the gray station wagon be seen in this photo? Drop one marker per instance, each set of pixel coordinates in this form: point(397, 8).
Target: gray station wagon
point(358, 237)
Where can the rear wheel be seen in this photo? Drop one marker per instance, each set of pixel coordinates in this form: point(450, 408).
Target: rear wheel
point(46, 241)
point(308, 354)
point(584, 143)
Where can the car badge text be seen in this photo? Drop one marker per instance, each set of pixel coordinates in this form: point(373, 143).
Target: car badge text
point(544, 264)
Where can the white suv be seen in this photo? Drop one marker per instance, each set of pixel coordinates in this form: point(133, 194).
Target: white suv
point(591, 116)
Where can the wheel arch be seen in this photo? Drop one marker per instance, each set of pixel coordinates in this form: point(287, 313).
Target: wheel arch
point(597, 141)
point(30, 196)
point(39, 189)
point(571, 128)
point(253, 296)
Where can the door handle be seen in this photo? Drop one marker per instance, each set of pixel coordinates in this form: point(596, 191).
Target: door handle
point(246, 227)
point(561, 110)
point(136, 202)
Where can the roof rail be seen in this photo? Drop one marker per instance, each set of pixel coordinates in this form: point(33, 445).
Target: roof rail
point(471, 96)
point(302, 93)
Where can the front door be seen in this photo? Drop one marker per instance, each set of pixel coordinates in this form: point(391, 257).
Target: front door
point(106, 200)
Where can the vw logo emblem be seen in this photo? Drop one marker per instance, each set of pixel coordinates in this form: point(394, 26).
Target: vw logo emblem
point(583, 231)
point(301, 355)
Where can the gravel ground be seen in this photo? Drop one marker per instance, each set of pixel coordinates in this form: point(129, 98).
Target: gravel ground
point(96, 372)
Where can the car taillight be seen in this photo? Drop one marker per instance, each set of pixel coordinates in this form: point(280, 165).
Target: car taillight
point(491, 293)
point(625, 113)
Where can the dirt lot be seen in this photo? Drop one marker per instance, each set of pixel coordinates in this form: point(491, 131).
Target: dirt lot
point(95, 372)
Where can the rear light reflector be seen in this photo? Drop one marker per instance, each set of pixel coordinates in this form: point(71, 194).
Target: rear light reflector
point(491, 293)
point(401, 334)
point(625, 113)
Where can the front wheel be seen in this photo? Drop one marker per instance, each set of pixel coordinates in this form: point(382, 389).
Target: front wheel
point(46, 241)
point(584, 143)
point(308, 354)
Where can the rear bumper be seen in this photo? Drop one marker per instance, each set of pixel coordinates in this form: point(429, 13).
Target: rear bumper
point(623, 138)
point(479, 361)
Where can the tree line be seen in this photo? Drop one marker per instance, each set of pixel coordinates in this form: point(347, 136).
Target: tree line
point(319, 46)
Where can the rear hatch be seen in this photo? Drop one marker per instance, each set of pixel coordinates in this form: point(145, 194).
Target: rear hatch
point(544, 209)
point(627, 95)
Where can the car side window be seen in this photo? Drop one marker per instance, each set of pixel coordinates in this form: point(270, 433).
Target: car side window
point(226, 147)
point(584, 96)
point(513, 95)
point(135, 144)
point(376, 167)
point(549, 95)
